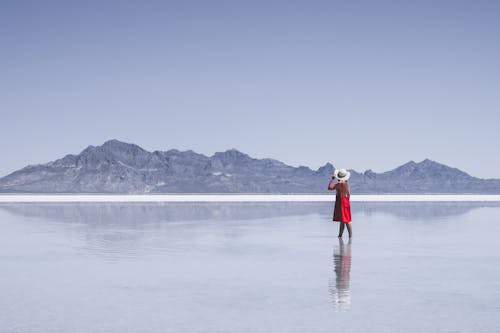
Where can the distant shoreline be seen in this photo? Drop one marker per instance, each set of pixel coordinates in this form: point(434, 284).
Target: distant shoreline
point(26, 198)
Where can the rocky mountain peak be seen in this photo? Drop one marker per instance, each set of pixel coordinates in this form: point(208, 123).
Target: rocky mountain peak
point(231, 155)
point(326, 169)
point(232, 152)
point(429, 163)
point(120, 146)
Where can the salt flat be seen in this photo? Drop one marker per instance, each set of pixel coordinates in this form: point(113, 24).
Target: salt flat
point(19, 198)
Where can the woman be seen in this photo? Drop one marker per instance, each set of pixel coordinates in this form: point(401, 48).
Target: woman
point(342, 210)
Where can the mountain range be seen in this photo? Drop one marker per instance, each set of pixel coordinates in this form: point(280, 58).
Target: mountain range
point(119, 167)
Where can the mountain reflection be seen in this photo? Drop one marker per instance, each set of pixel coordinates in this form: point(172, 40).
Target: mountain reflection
point(339, 285)
point(134, 213)
point(420, 210)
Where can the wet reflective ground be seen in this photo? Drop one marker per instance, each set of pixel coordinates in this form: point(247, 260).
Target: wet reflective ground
point(249, 267)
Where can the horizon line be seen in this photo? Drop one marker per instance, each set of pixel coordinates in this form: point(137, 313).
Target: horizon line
point(158, 198)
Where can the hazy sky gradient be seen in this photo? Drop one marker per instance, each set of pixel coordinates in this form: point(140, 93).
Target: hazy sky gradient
point(362, 84)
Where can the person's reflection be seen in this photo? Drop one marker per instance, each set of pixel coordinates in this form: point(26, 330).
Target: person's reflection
point(339, 289)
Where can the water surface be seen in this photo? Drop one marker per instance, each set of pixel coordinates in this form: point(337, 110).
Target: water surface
point(248, 267)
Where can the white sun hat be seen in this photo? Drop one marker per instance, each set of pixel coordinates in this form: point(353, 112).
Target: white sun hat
point(342, 174)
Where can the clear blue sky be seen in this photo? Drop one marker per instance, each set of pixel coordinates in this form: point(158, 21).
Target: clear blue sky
point(362, 84)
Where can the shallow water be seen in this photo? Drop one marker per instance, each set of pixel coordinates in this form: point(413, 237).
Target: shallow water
point(249, 267)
